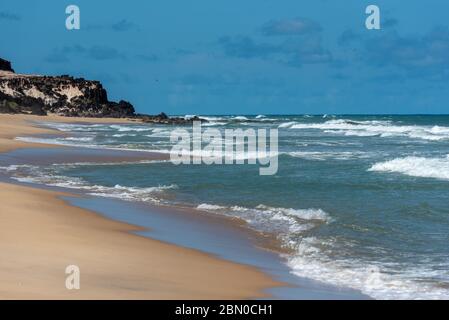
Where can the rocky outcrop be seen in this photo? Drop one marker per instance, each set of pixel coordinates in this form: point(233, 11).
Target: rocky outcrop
point(5, 65)
point(13, 105)
point(62, 95)
point(66, 96)
point(162, 118)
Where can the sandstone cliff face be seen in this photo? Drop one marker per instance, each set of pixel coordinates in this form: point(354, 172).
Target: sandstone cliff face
point(62, 95)
point(67, 96)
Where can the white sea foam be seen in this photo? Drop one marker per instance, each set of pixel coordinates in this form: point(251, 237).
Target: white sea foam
point(129, 193)
point(120, 135)
point(322, 156)
point(233, 155)
point(285, 221)
point(50, 176)
point(439, 130)
point(12, 168)
point(82, 139)
point(357, 133)
point(437, 168)
point(383, 129)
point(287, 124)
point(122, 147)
point(240, 118)
point(118, 163)
point(311, 258)
point(213, 123)
point(160, 133)
point(373, 279)
point(212, 118)
point(294, 225)
point(206, 206)
point(304, 214)
point(122, 128)
point(72, 127)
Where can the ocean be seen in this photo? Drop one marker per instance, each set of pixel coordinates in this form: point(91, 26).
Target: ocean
point(359, 202)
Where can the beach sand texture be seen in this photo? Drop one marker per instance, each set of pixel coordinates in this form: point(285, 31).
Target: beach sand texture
point(41, 234)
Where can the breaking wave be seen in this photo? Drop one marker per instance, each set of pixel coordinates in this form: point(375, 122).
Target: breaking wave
point(322, 156)
point(286, 221)
point(373, 128)
point(377, 280)
point(437, 168)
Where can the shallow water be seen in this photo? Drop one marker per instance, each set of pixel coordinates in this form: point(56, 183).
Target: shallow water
point(362, 201)
point(174, 225)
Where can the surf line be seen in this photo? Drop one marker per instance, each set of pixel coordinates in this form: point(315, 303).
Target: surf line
point(237, 146)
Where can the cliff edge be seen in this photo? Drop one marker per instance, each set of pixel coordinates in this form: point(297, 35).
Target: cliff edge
point(61, 95)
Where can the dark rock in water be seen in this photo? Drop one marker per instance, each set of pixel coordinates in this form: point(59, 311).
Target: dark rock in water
point(162, 115)
point(162, 118)
point(5, 65)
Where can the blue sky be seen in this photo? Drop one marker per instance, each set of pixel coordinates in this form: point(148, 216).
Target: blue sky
point(241, 57)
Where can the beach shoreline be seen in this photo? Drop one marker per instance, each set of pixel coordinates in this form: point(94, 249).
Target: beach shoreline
point(42, 234)
point(225, 238)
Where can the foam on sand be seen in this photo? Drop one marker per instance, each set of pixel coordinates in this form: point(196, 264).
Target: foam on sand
point(50, 177)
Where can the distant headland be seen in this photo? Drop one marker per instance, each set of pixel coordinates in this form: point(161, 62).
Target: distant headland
point(66, 96)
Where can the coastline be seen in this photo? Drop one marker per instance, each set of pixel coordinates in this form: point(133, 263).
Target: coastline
point(19, 124)
point(42, 234)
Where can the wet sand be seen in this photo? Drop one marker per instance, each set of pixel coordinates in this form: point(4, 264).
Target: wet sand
point(41, 234)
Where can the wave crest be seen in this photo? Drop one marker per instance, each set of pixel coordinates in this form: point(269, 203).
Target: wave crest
point(369, 128)
point(437, 168)
point(286, 221)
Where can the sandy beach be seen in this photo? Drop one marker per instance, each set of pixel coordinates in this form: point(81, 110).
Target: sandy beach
point(12, 126)
point(41, 235)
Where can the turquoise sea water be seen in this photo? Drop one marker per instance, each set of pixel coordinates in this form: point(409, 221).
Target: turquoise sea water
point(361, 201)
